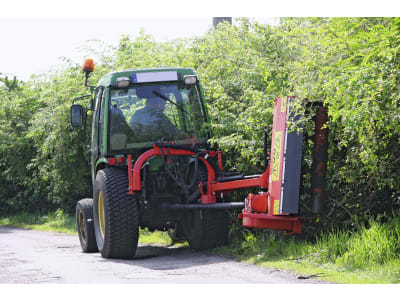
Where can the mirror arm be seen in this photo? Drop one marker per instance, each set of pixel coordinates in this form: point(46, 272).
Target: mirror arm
point(81, 97)
point(87, 75)
point(88, 107)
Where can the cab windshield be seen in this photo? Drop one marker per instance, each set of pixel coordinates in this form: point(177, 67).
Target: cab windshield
point(140, 116)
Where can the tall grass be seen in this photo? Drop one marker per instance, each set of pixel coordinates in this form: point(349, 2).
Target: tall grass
point(371, 254)
point(375, 244)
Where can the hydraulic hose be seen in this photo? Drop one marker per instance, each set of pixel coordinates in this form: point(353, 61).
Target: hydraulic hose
point(181, 183)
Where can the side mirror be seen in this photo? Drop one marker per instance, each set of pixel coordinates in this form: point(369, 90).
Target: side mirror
point(76, 115)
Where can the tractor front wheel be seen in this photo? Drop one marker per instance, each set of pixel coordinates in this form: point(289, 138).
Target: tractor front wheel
point(84, 222)
point(115, 215)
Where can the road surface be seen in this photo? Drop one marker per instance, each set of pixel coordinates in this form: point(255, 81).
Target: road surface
point(29, 256)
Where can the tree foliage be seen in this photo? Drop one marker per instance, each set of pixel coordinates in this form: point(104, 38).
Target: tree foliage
point(351, 64)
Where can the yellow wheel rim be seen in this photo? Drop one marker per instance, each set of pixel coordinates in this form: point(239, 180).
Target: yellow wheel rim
point(82, 227)
point(102, 223)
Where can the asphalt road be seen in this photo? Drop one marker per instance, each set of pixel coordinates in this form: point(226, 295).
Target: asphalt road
point(29, 256)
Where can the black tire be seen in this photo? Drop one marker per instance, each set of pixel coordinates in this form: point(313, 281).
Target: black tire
point(202, 176)
point(206, 229)
point(85, 227)
point(117, 234)
point(176, 234)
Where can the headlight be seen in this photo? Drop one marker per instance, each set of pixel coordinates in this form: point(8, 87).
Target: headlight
point(190, 79)
point(123, 82)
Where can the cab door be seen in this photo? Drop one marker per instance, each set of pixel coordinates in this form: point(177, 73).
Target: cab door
point(97, 130)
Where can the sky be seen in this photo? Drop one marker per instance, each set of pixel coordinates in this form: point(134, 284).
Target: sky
point(35, 34)
point(34, 45)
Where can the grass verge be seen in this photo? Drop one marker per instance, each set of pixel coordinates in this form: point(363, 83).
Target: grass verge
point(371, 255)
point(55, 221)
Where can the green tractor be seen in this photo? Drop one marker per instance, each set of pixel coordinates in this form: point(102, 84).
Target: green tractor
point(160, 111)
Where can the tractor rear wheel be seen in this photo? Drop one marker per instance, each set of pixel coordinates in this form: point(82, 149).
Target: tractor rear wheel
point(204, 229)
point(115, 215)
point(207, 229)
point(84, 222)
point(176, 234)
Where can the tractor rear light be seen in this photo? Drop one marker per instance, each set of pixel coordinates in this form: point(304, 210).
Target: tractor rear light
point(111, 161)
point(123, 82)
point(190, 79)
point(120, 160)
point(212, 153)
point(88, 65)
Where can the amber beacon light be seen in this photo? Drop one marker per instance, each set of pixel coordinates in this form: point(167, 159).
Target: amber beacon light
point(88, 65)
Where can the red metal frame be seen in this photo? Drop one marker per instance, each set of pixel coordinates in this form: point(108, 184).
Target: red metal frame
point(292, 225)
point(213, 187)
point(219, 153)
point(135, 182)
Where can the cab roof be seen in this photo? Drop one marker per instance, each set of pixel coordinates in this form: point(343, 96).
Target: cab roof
point(110, 78)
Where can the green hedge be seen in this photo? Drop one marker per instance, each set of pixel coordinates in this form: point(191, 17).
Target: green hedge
point(349, 63)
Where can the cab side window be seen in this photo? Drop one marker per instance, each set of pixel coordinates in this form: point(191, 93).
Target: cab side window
point(96, 128)
point(101, 123)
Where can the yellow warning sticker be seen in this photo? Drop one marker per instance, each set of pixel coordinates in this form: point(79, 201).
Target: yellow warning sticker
point(276, 156)
point(276, 207)
point(283, 104)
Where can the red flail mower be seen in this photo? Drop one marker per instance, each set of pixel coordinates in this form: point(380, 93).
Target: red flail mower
point(276, 206)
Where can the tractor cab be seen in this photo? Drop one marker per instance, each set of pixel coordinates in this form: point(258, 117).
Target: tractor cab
point(142, 114)
point(135, 109)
